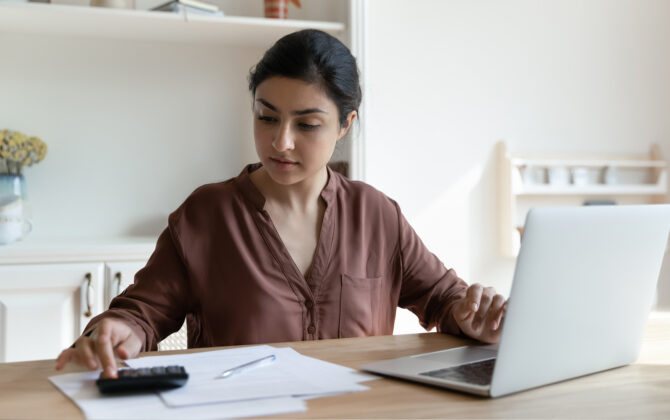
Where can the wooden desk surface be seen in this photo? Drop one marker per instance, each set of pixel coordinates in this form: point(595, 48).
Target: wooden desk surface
point(641, 390)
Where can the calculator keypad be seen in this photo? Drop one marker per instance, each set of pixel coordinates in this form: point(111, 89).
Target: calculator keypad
point(144, 379)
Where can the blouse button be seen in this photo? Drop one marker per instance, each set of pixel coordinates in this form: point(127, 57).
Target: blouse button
point(311, 329)
point(309, 304)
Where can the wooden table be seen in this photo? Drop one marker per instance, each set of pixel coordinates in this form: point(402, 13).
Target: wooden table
point(638, 391)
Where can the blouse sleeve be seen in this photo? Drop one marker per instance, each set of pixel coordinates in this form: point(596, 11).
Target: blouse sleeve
point(157, 302)
point(428, 288)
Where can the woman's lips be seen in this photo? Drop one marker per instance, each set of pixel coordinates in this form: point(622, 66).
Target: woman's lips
point(283, 163)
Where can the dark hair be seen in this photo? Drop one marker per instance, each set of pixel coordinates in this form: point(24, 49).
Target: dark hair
point(315, 57)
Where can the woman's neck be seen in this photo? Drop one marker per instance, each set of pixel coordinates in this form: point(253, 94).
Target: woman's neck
point(301, 196)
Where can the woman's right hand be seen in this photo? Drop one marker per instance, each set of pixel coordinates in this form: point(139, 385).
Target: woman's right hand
point(110, 338)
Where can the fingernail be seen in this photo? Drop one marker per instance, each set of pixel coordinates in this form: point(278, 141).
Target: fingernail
point(494, 325)
point(475, 307)
point(111, 372)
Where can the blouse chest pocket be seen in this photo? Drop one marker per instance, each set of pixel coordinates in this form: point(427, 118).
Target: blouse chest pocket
point(360, 306)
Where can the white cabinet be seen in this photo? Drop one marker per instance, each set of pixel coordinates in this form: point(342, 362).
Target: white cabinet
point(44, 307)
point(50, 290)
point(118, 276)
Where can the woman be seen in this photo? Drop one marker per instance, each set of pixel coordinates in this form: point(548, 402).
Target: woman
point(288, 250)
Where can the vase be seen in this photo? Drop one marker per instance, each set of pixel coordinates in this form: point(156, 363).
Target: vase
point(276, 9)
point(14, 225)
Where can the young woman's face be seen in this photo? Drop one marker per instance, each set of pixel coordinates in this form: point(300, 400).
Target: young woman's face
point(296, 127)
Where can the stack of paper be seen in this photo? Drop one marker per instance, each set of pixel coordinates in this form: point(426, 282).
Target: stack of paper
point(278, 388)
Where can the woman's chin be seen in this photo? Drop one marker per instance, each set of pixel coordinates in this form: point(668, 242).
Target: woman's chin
point(284, 177)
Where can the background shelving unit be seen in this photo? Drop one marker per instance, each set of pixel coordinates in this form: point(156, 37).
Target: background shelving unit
point(96, 22)
point(643, 179)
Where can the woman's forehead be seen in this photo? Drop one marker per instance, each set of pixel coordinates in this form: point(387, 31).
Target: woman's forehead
point(287, 94)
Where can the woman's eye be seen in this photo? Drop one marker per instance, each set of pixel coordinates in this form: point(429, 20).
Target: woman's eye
point(308, 126)
point(266, 119)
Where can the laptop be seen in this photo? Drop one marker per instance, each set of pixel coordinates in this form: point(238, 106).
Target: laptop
point(583, 286)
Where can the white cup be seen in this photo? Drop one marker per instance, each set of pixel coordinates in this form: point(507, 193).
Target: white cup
point(559, 175)
point(611, 176)
point(585, 176)
point(13, 226)
point(534, 175)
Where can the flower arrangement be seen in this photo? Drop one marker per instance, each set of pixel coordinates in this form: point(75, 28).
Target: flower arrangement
point(18, 150)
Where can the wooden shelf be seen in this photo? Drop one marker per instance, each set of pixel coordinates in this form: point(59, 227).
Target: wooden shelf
point(96, 22)
point(517, 196)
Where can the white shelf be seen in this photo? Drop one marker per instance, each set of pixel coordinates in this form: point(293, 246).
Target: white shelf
point(517, 196)
point(62, 250)
point(63, 20)
point(609, 190)
point(572, 163)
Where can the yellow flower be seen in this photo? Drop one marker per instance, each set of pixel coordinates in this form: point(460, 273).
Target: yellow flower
point(17, 150)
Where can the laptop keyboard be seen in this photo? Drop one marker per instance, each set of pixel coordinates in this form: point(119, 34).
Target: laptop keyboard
point(477, 373)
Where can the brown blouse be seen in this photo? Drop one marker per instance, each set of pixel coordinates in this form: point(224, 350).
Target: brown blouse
point(221, 264)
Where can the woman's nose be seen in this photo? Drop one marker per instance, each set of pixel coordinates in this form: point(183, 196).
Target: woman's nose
point(284, 139)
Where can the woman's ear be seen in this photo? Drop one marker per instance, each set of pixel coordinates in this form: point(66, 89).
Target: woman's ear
point(350, 120)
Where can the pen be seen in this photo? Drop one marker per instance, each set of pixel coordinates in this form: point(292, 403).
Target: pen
point(253, 364)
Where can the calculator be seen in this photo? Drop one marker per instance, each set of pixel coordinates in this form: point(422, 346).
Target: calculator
point(144, 379)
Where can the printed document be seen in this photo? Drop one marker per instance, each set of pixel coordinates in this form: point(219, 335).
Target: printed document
point(280, 387)
point(81, 388)
point(291, 375)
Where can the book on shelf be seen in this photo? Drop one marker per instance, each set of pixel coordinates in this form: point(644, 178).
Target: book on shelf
point(189, 6)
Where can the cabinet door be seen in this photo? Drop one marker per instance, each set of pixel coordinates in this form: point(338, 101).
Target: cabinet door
point(45, 307)
point(118, 276)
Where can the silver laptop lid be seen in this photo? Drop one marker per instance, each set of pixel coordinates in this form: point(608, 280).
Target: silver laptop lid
point(582, 290)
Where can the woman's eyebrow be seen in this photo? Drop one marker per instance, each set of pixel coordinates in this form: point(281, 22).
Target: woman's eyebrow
point(298, 112)
point(267, 104)
point(308, 111)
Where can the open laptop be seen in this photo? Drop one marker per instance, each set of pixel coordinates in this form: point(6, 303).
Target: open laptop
point(583, 287)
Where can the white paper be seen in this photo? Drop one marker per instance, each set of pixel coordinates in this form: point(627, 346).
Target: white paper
point(292, 374)
point(81, 388)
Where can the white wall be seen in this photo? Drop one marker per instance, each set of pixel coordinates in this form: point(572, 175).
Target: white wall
point(446, 80)
point(131, 129)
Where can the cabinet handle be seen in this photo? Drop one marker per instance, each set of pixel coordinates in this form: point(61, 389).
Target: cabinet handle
point(90, 296)
point(117, 277)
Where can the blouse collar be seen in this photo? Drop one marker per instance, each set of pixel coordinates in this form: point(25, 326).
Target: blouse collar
point(252, 193)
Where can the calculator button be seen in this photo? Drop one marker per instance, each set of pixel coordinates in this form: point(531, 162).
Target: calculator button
point(174, 369)
point(143, 372)
point(144, 379)
point(158, 370)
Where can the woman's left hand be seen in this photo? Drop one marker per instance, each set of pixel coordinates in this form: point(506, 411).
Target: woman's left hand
point(480, 313)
